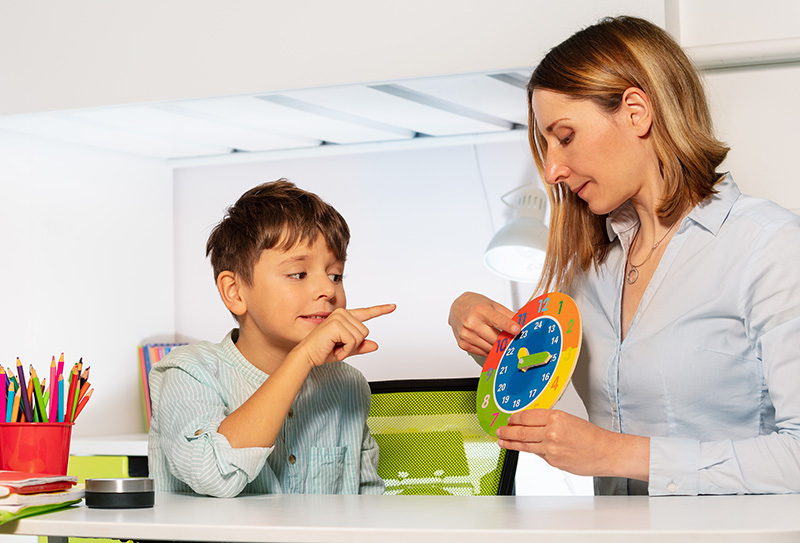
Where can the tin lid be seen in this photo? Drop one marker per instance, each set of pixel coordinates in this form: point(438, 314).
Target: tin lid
point(117, 486)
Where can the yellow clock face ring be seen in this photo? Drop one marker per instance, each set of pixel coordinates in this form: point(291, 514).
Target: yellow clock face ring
point(532, 369)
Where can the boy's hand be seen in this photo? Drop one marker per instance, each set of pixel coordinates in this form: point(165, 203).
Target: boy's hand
point(341, 335)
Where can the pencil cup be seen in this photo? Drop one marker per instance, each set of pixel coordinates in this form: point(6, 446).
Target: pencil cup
point(35, 447)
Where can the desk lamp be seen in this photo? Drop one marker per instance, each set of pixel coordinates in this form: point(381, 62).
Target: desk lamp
point(517, 250)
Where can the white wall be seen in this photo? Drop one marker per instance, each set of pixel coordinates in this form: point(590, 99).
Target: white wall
point(419, 222)
point(755, 109)
point(86, 246)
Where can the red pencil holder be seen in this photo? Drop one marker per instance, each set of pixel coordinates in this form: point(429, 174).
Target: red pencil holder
point(35, 447)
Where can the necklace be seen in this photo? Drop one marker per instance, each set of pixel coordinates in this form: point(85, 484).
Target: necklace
point(633, 274)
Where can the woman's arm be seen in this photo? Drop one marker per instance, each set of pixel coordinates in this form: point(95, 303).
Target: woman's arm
point(476, 322)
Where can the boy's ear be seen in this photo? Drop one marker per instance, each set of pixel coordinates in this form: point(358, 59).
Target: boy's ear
point(229, 287)
point(637, 110)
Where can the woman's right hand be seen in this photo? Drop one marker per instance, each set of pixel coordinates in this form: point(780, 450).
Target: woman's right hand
point(477, 321)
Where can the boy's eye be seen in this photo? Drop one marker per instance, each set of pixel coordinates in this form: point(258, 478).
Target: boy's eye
point(335, 277)
point(299, 275)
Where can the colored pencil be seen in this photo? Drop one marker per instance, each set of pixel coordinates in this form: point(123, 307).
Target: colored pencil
point(51, 407)
point(60, 402)
point(60, 368)
point(32, 401)
point(73, 379)
point(85, 375)
point(38, 400)
point(15, 407)
point(10, 376)
point(4, 385)
point(8, 412)
point(26, 404)
point(83, 390)
point(83, 402)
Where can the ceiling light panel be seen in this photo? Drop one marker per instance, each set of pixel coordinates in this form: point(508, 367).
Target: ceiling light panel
point(173, 122)
point(390, 109)
point(295, 121)
point(55, 127)
point(494, 96)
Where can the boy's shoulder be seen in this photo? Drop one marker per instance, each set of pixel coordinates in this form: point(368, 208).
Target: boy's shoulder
point(201, 355)
point(340, 375)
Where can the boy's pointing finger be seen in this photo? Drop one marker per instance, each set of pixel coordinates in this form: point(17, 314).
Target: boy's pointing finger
point(367, 313)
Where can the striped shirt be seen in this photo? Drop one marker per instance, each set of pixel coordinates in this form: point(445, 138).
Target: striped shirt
point(323, 447)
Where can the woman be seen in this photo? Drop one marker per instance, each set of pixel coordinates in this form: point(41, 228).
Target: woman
point(689, 291)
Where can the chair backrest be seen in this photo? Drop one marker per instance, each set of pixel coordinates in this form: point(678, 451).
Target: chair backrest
point(431, 441)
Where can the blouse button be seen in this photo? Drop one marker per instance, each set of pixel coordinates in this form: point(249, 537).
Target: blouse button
point(198, 432)
point(291, 412)
point(292, 459)
point(672, 487)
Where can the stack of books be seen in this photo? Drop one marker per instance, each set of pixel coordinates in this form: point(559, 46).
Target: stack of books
point(23, 494)
point(149, 354)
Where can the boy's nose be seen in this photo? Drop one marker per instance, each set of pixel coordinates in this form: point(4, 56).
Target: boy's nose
point(325, 288)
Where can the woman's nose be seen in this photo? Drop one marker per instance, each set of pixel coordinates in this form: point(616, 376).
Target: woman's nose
point(555, 168)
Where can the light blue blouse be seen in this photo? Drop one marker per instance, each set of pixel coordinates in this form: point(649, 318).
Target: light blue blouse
point(324, 445)
point(710, 366)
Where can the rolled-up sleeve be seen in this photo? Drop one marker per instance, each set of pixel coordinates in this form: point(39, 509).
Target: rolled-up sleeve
point(187, 412)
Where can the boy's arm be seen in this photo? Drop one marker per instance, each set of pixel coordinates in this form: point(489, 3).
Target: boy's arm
point(257, 421)
point(188, 404)
point(370, 482)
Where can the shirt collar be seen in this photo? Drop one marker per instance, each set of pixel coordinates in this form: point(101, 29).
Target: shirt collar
point(710, 213)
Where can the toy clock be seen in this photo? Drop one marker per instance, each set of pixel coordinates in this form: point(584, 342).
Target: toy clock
point(532, 369)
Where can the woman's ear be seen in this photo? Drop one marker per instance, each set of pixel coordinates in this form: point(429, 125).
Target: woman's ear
point(229, 287)
point(637, 111)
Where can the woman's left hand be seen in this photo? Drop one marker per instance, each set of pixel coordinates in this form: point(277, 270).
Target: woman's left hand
point(576, 445)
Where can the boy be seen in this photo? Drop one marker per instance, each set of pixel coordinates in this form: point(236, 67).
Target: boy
point(271, 409)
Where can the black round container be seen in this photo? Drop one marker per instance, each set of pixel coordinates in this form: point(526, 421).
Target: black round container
point(130, 493)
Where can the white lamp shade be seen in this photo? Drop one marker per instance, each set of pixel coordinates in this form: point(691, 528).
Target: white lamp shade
point(518, 249)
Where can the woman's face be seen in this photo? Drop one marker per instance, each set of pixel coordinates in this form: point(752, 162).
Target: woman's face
point(601, 157)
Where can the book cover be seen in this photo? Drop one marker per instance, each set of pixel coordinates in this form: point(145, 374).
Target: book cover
point(23, 482)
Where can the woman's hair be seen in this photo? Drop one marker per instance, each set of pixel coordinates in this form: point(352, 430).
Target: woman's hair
point(599, 63)
point(273, 215)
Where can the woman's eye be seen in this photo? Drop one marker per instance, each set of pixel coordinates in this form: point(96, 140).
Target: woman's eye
point(299, 275)
point(565, 140)
point(335, 277)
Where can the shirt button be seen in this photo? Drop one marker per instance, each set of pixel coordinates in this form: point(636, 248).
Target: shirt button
point(292, 459)
point(614, 406)
point(672, 487)
point(198, 432)
point(291, 412)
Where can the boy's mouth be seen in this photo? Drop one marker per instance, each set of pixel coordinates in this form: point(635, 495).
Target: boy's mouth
point(315, 318)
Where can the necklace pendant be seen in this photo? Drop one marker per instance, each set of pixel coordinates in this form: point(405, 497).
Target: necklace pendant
point(632, 275)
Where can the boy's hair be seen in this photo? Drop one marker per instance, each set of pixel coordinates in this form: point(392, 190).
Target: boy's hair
point(273, 215)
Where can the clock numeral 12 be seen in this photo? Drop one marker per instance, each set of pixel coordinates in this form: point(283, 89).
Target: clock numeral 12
point(543, 305)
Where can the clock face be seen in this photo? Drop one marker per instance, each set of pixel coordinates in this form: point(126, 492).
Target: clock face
point(532, 369)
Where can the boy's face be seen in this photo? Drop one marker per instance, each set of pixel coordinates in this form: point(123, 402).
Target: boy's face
point(292, 293)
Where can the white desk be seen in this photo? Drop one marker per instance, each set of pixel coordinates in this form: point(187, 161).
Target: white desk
point(440, 519)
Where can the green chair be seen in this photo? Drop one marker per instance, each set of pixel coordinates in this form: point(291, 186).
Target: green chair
point(431, 441)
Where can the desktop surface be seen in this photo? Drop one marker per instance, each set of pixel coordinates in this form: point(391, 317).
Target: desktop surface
point(440, 519)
